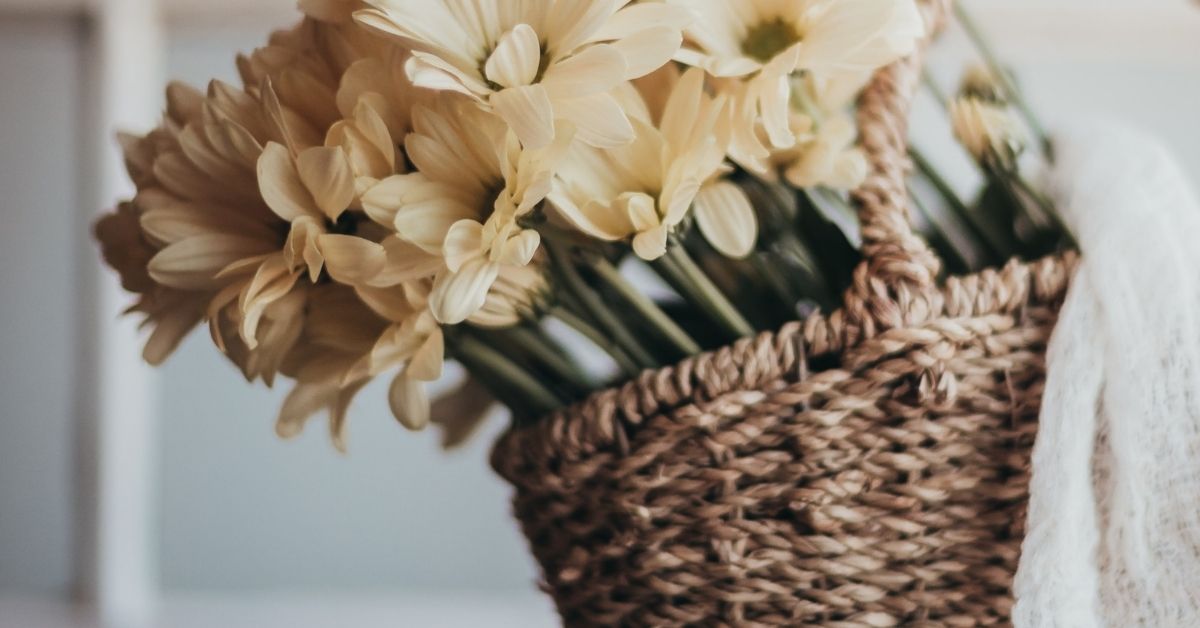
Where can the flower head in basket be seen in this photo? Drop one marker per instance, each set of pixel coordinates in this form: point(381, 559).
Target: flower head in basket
point(244, 208)
point(989, 132)
point(980, 82)
point(644, 190)
point(473, 183)
point(198, 210)
point(756, 46)
point(535, 62)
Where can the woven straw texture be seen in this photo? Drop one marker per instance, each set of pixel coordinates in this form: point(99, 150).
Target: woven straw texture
point(866, 468)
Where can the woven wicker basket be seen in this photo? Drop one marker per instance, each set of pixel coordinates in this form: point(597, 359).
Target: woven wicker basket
point(748, 488)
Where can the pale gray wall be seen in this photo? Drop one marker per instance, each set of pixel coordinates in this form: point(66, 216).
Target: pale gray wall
point(39, 97)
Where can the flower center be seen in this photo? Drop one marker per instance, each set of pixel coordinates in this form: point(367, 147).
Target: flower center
point(767, 39)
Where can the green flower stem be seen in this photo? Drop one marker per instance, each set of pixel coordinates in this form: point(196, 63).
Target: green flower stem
point(703, 292)
point(587, 330)
point(649, 310)
point(778, 285)
point(1046, 207)
point(538, 344)
point(494, 366)
point(956, 261)
point(975, 34)
point(994, 242)
point(571, 312)
point(810, 282)
point(935, 90)
point(592, 305)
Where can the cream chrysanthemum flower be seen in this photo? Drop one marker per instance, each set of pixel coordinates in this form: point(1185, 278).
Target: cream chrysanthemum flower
point(473, 184)
point(643, 190)
point(757, 45)
point(535, 62)
point(242, 240)
point(723, 212)
point(201, 211)
point(298, 75)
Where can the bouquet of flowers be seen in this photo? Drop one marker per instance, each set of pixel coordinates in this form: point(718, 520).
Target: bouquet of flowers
point(557, 194)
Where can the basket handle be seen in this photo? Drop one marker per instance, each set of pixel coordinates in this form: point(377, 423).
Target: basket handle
point(896, 285)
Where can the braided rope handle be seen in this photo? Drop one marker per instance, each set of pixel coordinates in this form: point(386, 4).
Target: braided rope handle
point(897, 283)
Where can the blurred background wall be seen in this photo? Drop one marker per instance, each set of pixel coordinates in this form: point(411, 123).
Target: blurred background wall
point(245, 530)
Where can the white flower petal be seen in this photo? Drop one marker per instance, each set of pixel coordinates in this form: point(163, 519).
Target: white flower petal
point(409, 402)
point(515, 60)
point(635, 18)
point(775, 100)
point(592, 218)
point(301, 404)
point(382, 200)
point(337, 413)
point(281, 185)
point(520, 249)
point(327, 175)
point(726, 218)
point(648, 49)
point(683, 108)
point(598, 68)
point(651, 245)
point(643, 214)
point(573, 22)
point(170, 329)
point(194, 263)
point(405, 262)
point(426, 364)
point(430, 72)
point(350, 259)
point(528, 112)
point(456, 296)
point(860, 36)
point(599, 120)
point(426, 223)
point(464, 241)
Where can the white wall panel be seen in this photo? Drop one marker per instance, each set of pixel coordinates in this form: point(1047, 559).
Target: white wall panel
point(39, 148)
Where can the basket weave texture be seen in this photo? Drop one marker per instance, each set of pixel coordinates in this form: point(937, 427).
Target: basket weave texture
point(865, 468)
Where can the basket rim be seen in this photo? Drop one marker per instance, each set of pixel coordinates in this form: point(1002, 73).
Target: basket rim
point(603, 418)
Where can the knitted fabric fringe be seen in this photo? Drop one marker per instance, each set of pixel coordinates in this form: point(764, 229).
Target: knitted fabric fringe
point(1114, 518)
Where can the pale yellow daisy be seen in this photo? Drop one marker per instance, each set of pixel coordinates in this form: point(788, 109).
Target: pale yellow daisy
point(473, 184)
point(757, 45)
point(642, 191)
point(989, 131)
point(723, 212)
point(534, 62)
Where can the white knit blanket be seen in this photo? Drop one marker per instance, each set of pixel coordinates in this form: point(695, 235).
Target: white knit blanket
point(1113, 534)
